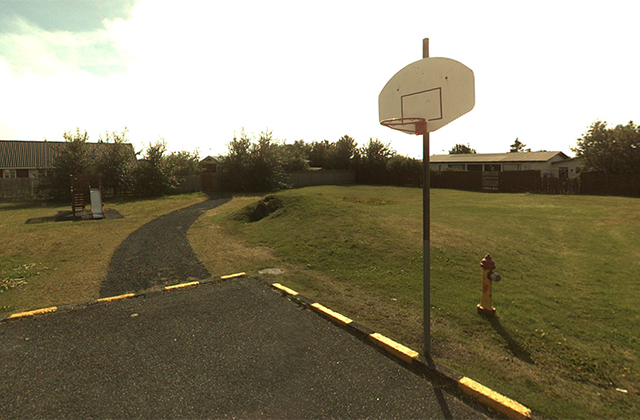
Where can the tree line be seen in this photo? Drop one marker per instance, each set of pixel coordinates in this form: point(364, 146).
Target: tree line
point(262, 164)
point(154, 174)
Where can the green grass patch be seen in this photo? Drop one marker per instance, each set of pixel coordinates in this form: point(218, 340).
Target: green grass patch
point(55, 263)
point(565, 341)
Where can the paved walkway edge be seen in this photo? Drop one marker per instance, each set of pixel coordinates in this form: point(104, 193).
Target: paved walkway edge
point(468, 386)
point(433, 370)
point(148, 292)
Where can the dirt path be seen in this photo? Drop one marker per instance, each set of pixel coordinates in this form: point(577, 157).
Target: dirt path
point(158, 253)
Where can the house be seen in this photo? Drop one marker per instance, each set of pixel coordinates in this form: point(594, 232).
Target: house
point(209, 164)
point(28, 159)
point(554, 164)
point(569, 168)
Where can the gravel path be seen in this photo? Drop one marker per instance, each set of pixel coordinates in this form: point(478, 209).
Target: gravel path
point(158, 253)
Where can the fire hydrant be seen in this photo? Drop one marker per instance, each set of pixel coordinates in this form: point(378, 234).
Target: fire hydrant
point(488, 277)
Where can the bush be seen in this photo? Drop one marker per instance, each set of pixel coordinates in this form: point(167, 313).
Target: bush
point(152, 176)
point(72, 157)
point(255, 167)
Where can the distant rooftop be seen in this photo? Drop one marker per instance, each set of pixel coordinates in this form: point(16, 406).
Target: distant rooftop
point(40, 154)
point(497, 157)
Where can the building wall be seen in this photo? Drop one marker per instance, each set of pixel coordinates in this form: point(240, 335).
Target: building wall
point(543, 167)
point(19, 173)
point(550, 168)
point(569, 168)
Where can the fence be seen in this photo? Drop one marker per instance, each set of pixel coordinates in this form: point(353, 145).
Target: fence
point(457, 180)
point(188, 184)
point(321, 177)
point(508, 181)
point(532, 181)
point(594, 183)
point(209, 181)
point(590, 183)
point(20, 189)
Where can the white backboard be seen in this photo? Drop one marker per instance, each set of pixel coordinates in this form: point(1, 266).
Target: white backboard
point(437, 89)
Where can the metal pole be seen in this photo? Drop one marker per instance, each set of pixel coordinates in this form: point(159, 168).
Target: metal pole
point(426, 221)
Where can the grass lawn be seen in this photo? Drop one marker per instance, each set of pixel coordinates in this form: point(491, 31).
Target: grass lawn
point(56, 263)
point(566, 339)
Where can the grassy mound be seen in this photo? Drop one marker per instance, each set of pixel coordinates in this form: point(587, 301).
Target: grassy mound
point(566, 336)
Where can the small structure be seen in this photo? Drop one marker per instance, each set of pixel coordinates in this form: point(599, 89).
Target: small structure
point(83, 186)
point(209, 175)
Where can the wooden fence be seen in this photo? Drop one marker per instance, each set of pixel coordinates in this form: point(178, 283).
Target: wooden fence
point(508, 181)
point(188, 184)
point(590, 183)
point(322, 177)
point(457, 180)
point(594, 183)
point(209, 181)
point(20, 189)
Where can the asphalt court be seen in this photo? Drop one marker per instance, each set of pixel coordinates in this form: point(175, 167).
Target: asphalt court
point(231, 349)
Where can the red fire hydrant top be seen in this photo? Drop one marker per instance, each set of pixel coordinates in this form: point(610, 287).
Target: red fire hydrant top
point(487, 263)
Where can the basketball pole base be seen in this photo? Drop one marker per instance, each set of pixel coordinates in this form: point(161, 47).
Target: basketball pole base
point(485, 311)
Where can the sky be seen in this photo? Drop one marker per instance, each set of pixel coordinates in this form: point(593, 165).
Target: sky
point(196, 73)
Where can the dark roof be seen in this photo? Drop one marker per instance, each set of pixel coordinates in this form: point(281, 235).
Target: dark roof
point(40, 154)
point(497, 157)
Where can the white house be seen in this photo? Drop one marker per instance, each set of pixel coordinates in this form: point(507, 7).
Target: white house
point(555, 164)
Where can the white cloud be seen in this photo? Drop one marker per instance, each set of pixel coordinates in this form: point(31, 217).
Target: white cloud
point(194, 72)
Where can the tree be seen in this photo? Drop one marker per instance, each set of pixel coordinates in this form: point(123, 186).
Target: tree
point(342, 153)
point(267, 170)
point(518, 147)
point(461, 149)
point(615, 150)
point(152, 175)
point(72, 158)
point(295, 156)
point(115, 163)
point(255, 167)
point(184, 163)
point(404, 170)
point(371, 162)
point(319, 153)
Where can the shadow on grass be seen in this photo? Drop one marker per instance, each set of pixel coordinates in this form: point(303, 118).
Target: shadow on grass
point(512, 344)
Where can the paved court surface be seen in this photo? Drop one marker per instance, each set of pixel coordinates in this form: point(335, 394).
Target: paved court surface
point(234, 349)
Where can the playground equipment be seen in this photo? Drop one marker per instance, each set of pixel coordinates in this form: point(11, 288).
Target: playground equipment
point(83, 186)
point(488, 277)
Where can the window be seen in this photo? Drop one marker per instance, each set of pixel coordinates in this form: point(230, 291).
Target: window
point(474, 167)
point(492, 168)
point(512, 167)
point(10, 173)
point(457, 167)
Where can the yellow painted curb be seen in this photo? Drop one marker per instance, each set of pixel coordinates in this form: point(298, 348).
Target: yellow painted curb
point(397, 349)
point(181, 285)
point(112, 298)
point(498, 402)
point(233, 276)
point(285, 289)
point(332, 314)
point(34, 312)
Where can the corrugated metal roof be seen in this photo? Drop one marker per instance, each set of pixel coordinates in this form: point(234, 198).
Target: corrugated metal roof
point(39, 154)
point(497, 157)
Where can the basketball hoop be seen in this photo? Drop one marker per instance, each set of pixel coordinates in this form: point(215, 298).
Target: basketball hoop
point(412, 125)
